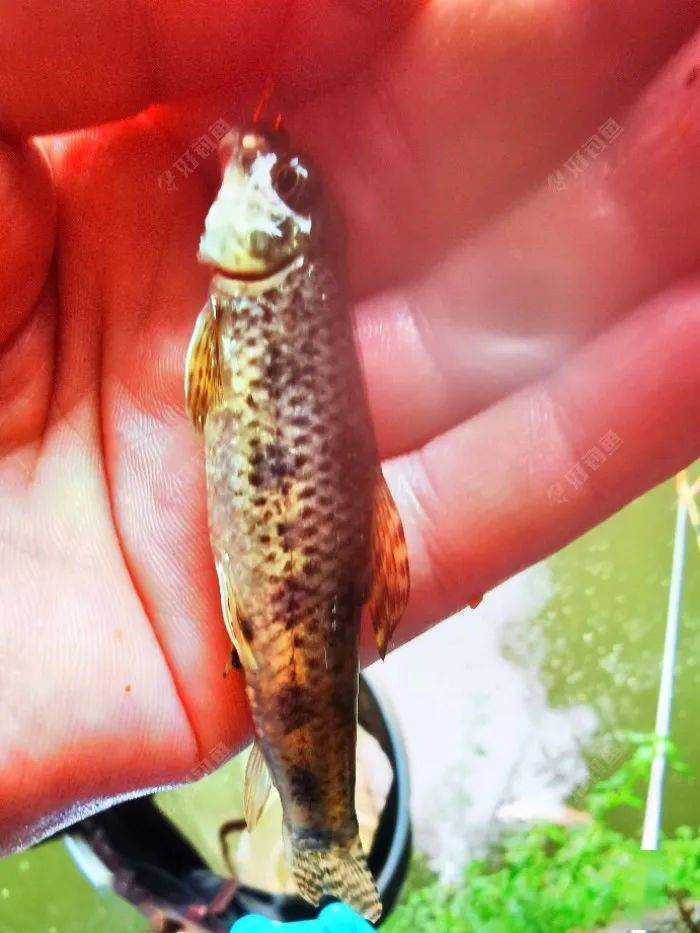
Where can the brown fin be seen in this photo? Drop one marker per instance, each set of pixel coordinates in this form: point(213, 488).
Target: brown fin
point(202, 376)
point(340, 871)
point(231, 614)
point(256, 787)
point(390, 581)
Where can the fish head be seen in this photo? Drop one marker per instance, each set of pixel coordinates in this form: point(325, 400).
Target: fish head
point(265, 216)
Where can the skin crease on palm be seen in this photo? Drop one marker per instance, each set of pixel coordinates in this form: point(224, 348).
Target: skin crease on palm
point(504, 326)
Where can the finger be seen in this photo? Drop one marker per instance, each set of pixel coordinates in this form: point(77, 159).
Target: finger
point(509, 305)
point(27, 226)
point(533, 472)
point(89, 62)
point(470, 105)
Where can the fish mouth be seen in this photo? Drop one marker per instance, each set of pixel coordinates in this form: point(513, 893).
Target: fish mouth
point(252, 284)
point(276, 273)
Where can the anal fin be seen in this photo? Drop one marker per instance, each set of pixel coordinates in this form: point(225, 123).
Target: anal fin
point(256, 787)
point(390, 579)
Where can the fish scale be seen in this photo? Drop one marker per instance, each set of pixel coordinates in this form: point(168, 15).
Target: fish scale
point(331, 432)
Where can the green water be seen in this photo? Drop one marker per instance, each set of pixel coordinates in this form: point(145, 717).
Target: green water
point(601, 635)
point(600, 638)
point(41, 892)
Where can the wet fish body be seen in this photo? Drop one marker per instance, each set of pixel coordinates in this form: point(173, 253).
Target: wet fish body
point(303, 529)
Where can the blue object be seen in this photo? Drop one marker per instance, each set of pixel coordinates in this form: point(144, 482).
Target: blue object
point(336, 918)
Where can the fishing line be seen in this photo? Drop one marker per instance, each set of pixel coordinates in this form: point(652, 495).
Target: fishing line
point(269, 84)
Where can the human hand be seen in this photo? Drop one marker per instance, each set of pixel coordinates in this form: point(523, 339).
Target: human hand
point(505, 327)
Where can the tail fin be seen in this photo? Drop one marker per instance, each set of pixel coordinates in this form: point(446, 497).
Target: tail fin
point(340, 871)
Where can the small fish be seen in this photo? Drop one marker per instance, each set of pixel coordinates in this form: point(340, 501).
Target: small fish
point(303, 528)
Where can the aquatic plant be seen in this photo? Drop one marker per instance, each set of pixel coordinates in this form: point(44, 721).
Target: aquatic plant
point(555, 879)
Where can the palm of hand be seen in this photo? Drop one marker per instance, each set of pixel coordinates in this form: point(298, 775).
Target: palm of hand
point(113, 650)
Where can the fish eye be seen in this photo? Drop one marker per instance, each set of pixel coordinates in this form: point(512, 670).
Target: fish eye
point(293, 182)
point(252, 142)
point(251, 145)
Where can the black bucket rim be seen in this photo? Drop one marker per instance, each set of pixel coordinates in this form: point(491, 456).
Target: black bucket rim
point(103, 852)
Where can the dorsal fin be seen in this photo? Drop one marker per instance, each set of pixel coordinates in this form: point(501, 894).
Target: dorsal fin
point(390, 581)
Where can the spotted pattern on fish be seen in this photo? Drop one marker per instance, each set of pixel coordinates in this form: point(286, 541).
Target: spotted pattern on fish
point(291, 468)
point(300, 517)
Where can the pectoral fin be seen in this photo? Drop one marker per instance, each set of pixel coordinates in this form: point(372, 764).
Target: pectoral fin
point(256, 787)
point(202, 376)
point(390, 582)
point(231, 612)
